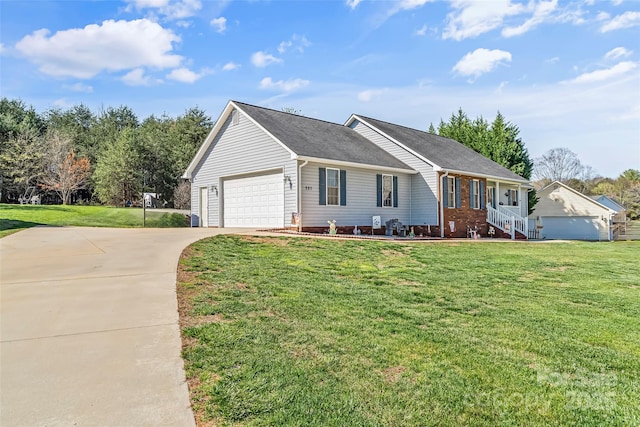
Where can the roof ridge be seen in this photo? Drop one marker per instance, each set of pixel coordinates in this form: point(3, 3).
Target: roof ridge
point(408, 127)
point(287, 113)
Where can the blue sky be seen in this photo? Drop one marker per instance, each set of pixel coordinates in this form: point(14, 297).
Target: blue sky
point(565, 72)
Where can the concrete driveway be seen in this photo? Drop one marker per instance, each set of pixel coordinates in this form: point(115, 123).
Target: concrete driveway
point(89, 327)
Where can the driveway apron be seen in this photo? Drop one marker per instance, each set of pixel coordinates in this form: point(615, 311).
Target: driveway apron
point(89, 327)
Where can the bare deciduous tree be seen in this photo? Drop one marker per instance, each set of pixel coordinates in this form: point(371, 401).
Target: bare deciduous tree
point(558, 164)
point(64, 173)
point(182, 195)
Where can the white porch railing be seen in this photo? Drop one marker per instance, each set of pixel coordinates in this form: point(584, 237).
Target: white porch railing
point(508, 221)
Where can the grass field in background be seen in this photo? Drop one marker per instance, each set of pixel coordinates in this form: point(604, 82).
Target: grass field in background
point(17, 217)
point(318, 332)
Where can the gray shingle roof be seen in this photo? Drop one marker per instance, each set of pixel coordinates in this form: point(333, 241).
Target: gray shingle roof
point(317, 138)
point(444, 152)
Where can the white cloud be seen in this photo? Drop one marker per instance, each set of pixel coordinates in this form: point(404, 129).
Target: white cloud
point(626, 20)
point(220, 24)
point(481, 61)
point(412, 4)
point(230, 66)
point(602, 16)
point(618, 52)
point(401, 5)
point(111, 46)
point(136, 78)
point(286, 86)
point(185, 75)
point(422, 31)
point(472, 18)
point(541, 13)
point(353, 3)
point(2, 48)
point(79, 87)
point(62, 103)
point(369, 94)
point(261, 59)
point(298, 43)
point(171, 9)
point(552, 60)
point(606, 74)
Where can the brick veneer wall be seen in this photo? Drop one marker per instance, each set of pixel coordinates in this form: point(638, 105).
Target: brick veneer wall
point(464, 215)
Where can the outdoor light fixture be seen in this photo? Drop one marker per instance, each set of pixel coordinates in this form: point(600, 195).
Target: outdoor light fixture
point(287, 178)
point(214, 188)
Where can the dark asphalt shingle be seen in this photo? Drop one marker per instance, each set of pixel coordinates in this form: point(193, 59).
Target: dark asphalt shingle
point(317, 138)
point(444, 152)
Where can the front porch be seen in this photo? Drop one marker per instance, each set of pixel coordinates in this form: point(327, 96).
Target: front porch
point(507, 208)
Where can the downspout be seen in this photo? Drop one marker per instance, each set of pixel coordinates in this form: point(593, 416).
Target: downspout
point(299, 201)
point(441, 219)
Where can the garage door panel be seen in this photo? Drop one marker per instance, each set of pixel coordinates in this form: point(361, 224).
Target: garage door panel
point(256, 201)
point(570, 228)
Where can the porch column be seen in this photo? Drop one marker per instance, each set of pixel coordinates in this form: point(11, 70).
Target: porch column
point(520, 199)
point(497, 198)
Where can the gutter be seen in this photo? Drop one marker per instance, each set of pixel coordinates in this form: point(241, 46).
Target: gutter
point(441, 219)
point(299, 188)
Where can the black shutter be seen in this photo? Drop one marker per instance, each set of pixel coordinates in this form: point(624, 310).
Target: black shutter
point(379, 188)
point(482, 195)
point(395, 191)
point(343, 188)
point(471, 193)
point(458, 192)
point(322, 185)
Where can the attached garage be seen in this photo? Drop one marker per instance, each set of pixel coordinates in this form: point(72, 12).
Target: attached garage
point(570, 228)
point(255, 201)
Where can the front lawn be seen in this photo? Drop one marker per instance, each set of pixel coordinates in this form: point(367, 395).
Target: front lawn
point(295, 331)
point(17, 217)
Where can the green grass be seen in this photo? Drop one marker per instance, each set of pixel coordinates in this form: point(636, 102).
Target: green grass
point(292, 331)
point(17, 217)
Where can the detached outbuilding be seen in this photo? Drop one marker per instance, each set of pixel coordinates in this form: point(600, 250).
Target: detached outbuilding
point(564, 213)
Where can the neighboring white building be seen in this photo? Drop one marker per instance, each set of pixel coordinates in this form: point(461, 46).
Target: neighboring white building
point(564, 213)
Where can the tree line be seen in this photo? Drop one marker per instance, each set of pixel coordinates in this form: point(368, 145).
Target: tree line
point(499, 141)
point(109, 157)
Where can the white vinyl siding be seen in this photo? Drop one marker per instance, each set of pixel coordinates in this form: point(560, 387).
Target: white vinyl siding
point(238, 150)
point(361, 198)
point(424, 185)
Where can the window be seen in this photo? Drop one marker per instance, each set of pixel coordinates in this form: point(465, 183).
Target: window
point(387, 190)
point(333, 186)
point(512, 197)
point(451, 192)
point(475, 194)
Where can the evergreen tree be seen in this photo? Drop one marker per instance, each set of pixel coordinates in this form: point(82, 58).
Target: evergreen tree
point(497, 141)
point(118, 175)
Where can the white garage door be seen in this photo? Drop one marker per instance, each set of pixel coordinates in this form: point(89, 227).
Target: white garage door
point(257, 201)
point(570, 228)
